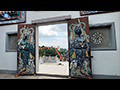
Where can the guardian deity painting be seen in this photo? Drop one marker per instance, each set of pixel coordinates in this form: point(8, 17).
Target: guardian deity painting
point(26, 50)
point(79, 49)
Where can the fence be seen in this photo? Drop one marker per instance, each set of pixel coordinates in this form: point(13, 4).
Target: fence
point(48, 59)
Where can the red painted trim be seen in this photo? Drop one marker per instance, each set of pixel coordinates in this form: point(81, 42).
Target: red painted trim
point(89, 78)
point(16, 75)
point(20, 14)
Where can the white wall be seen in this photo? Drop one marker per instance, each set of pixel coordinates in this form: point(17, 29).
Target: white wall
point(107, 62)
point(8, 60)
point(104, 62)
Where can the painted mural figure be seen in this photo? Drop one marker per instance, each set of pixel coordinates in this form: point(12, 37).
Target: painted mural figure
point(79, 48)
point(26, 50)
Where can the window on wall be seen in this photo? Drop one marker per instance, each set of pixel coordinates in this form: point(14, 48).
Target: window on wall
point(11, 42)
point(102, 36)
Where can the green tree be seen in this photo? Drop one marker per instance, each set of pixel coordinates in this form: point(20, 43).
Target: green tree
point(50, 52)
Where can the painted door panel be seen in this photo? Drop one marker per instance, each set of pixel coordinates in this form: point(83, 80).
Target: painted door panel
point(79, 48)
point(26, 49)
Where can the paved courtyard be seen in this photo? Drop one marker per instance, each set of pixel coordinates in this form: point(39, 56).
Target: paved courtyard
point(11, 76)
point(54, 68)
point(45, 68)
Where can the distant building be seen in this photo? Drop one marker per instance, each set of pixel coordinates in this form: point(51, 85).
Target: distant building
point(58, 47)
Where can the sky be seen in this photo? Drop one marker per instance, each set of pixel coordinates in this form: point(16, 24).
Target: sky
point(54, 35)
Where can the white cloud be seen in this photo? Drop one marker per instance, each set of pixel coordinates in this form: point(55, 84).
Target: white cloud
point(52, 30)
point(65, 34)
point(46, 31)
point(53, 35)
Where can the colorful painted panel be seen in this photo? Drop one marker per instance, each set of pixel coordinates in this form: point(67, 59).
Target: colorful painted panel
point(79, 48)
point(11, 17)
point(26, 49)
point(90, 12)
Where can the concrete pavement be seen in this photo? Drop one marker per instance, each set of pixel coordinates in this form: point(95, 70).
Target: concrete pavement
point(45, 68)
point(11, 76)
point(54, 68)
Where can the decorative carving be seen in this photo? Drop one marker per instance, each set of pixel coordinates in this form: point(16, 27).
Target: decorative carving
point(97, 37)
point(11, 17)
point(91, 12)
